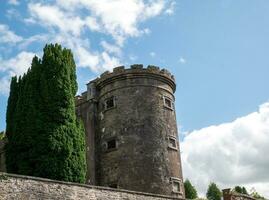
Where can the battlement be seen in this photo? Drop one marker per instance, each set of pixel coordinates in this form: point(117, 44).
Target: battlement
point(136, 70)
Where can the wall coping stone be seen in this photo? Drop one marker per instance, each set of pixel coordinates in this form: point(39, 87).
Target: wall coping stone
point(3, 174)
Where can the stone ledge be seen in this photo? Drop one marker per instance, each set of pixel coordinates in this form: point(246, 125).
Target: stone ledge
point(44, 180)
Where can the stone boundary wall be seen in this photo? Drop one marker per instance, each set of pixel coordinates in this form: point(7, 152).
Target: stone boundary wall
point(25, 187)
point(228, 194)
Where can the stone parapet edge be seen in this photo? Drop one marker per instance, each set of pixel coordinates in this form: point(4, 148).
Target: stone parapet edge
point(135, 71)
point(84, 185)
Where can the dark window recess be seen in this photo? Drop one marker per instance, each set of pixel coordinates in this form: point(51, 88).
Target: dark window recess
point(109, 103)
point(111, 144)
point(168, 103)
point(173, 143)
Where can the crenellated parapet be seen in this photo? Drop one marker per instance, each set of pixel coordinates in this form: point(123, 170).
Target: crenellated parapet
point(135, 71)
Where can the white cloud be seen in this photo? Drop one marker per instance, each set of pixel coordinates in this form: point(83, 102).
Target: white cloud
point(92, 23)
point(119, 19)
point(14, 66)
point(182, 60)
point(52, 16)
point(14, 2)
point(230, 154)
point(8, 36)
point(110, 48)
point(68, 22)
point(33, 39)
point(152, 54)
point(4, 85)
point(13, 13)
point(17, 65)
point(171, 9)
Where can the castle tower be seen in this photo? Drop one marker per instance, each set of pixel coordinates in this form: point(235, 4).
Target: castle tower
point(132, 138)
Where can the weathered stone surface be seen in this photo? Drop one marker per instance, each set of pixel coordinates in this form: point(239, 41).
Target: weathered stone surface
point(140, 123)
point(32, 188)
point(229, 194)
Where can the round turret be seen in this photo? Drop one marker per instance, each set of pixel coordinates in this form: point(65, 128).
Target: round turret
point(137, 144)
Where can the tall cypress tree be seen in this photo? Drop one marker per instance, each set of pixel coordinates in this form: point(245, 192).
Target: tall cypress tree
point(10, 121)
point(48, 141)
point(64, 158)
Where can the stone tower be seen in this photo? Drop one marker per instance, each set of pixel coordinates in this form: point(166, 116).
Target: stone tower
point(131, 130)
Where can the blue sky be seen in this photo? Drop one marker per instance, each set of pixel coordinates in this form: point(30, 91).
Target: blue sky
point(217, 50)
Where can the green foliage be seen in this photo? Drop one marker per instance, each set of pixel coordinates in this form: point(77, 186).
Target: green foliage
point(256, 195)
point(238, 189)
point(241, 190)
point(190, 191)
point(2, 135)
point(244, 191)
point(45, 138)
point(213, 192)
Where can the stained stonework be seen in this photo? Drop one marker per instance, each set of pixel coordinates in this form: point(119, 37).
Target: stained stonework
point(32, 188)
point(131, 131)
point(228, 194)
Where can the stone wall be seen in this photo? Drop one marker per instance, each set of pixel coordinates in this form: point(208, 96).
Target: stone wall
point(25, 187)
point(228, 194)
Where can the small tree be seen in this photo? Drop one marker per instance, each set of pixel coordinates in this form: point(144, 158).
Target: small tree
point(213, 192)
point(190, 191)
point(238, 189)
point(241, 190)
point(244, 191)
point(256, 195)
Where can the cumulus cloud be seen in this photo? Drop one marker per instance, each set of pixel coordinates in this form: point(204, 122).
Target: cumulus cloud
point(69, 23)
point(54, 17)
point(230, 154)
point(8, 36)
point(110, 48)
point(14, 66)
point(17, 65)
point(119, 19)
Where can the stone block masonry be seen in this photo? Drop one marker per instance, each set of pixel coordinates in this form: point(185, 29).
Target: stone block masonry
point(131, 130)
point(31, 188)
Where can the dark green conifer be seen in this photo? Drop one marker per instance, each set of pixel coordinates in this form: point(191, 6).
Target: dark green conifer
point(48, 140)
